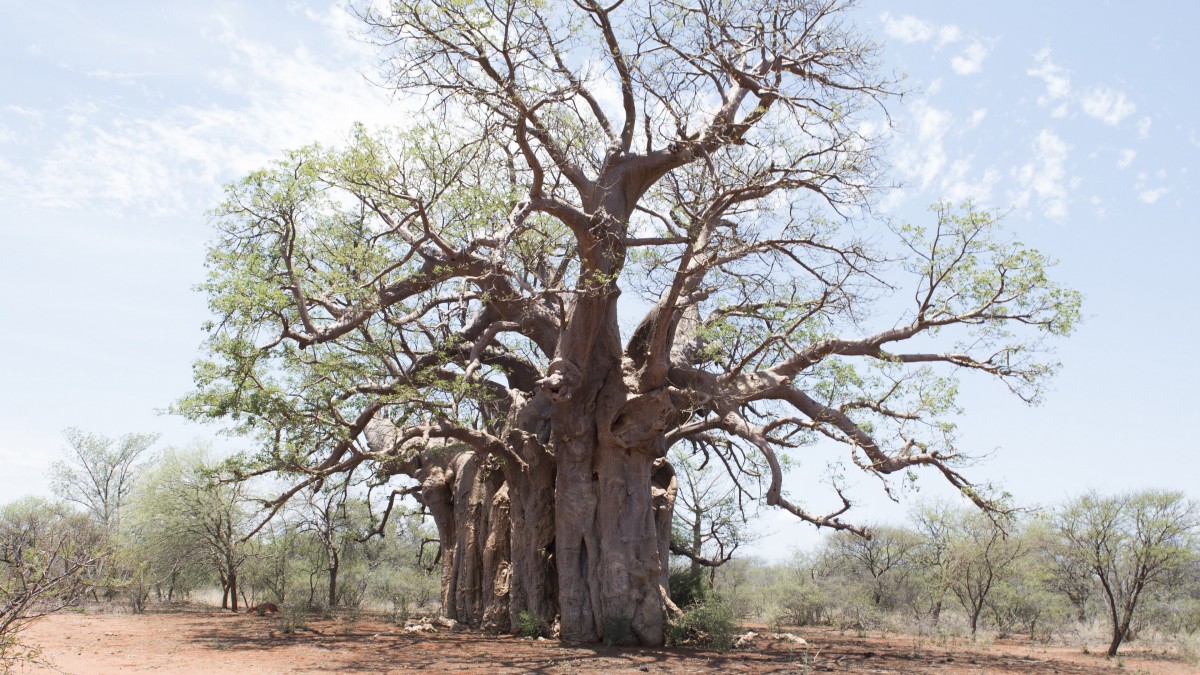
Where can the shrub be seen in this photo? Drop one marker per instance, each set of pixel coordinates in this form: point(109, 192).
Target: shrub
point(529, 625)
point(803, 605)
point(709, 623)
point(687, 587)
point(293, 618)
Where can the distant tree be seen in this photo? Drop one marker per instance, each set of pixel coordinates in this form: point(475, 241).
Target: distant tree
point(99, 473)
point(335, 521)
point(710, 523)
point(1129, 542)
point(973, 552)
point(1063, 571)
point(931, 561)
point(885, 559)
point(49, 557)
point(203, 515)
point(272, 568)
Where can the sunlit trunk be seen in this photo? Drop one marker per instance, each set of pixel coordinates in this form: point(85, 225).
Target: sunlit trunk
point(610, 536)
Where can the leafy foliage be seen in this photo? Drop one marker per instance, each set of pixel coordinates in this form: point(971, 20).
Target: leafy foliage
point(709, 624)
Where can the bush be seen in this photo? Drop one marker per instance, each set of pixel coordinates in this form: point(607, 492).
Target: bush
point(709, 624)
point(293, 618)
point(688, 588)
point(803, 605)
point(529, 626)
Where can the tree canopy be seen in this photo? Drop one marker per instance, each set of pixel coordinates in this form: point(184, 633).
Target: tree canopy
point(612, 230)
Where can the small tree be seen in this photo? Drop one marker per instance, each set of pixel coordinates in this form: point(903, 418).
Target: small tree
point(335, 521)
point(885, 558)
point(48, 557)
point(973, 554)
point(709, 520)
point(99, 472)
point(1129, 542)
point(201, 514)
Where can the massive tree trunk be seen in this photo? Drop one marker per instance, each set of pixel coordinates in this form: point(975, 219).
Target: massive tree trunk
point(613, 559)
point(575, 526)
point(608, 436)
point(495, 523)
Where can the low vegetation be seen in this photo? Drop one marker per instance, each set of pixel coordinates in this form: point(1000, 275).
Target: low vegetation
point(1119, 568)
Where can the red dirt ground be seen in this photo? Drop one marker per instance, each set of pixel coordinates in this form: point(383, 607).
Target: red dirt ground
point(212, 642)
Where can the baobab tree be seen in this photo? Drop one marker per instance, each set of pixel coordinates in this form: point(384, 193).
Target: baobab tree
point(613, 230)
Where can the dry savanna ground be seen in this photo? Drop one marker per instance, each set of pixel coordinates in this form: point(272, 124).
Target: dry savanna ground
point(204, 641)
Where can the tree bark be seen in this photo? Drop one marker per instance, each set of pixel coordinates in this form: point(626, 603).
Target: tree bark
point(233, 604)
point(333, 577)
point(612, 565)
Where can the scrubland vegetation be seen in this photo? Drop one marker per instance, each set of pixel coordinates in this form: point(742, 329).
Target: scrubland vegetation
point(134, 532)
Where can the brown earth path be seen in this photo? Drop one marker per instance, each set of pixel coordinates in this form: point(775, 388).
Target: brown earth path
point(212, 642)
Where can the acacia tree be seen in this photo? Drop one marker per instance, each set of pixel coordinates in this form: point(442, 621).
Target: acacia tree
point(1129, 543)
point(981, 555)
point(99, 473)
point(445, 303)
point(189, 509)
point(335, 522)
point(886, 556)
point(710, 523)
point(49, 558)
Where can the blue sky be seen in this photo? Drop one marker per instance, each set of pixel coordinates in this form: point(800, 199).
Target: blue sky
point(120, 121)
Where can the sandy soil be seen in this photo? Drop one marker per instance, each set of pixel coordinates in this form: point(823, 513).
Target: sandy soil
point(211, 642)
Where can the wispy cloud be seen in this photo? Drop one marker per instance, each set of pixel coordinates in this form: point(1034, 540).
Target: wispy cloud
point(910, 29)
point(1103, 103)
point(1125, 160)
point(1107, 105)
point(1044, 177)
point(920, 156)
point(958, 185)
point(1143, 127)
point(1147, 194)
point(174, 159)
point(970, 60)
point(922, 153)
point(1152, 195)
point(907, 28)
point(1056, 78)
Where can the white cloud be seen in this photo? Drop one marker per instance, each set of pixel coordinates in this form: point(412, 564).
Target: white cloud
point(910, 29)
point(957, 187)
point(948, 34)
point(907, 28)
point(970, 61)
point(1126, 158)
point(1143, 127)
point(1107, 105)
point(1056, 78)
point(921, 159)
point(977, 116)
point(1044, 178)
point(922, 155)
point(173, 160)
point(1152, 195)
